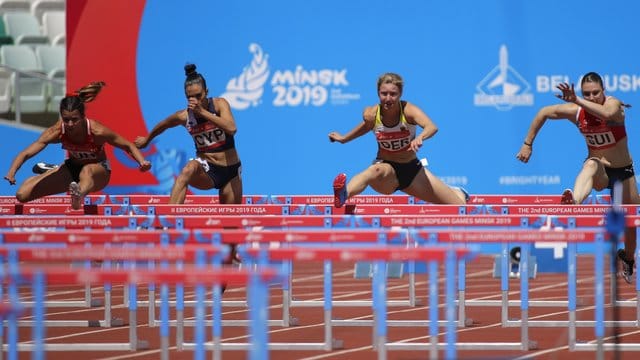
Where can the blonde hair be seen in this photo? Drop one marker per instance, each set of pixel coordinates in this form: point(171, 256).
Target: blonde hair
point(391, 78)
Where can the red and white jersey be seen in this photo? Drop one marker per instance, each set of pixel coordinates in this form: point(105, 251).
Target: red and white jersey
point(395, 138)
point(87, 152)
point(599, 133)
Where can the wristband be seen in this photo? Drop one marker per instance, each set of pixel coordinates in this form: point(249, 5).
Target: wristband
point(528, 144)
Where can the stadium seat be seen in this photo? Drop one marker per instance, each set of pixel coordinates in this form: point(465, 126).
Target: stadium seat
point(14, 5)
point(24, 28)
point(5, 39)
point(40, 7)
point(52, 59)
point(5, 91)
point(54, 27)
point(32, 91)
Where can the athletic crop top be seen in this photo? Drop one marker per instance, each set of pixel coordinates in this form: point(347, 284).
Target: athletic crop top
point(208, 137)
point(87, 152)
point(395, 138)
point(599, 133)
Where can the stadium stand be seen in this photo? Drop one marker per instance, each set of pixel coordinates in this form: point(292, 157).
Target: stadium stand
point(31, 89)
point(40, 7)
point(52, 61)
point(39, 25)
point(24, 28)
point(14, 5)
point(53, 26)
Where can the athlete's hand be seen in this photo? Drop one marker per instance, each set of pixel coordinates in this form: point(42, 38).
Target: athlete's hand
point(334, 136)
point(568, 92)
point(145, 166)
point(415, 145)
point(141, 142)
point(525, 153)
point(195, 105)
point(10, 179)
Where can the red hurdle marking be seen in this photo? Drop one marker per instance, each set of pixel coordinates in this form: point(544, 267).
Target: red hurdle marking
point(328, 235)
point(73, 221)
point(388, 253)
point(517, 236)
point(145, 199)
point(238, 221)
point(212, 209)
point(428, 209)
point(7, 209)
point(93, 237)
point(189, 275)
point(51, 199)
point(80, 252)
point(52, 209)
point(320, 221)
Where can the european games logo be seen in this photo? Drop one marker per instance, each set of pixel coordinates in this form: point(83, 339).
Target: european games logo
point(298, 87)
point(503, 87)
point(246, 90)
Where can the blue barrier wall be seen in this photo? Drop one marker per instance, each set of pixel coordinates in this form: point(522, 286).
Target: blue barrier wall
point(294, 71)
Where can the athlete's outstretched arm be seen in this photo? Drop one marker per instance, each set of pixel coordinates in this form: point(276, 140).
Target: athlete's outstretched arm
point(49, 136)
point(170, 121)
point(368, 120)
point(554, 112)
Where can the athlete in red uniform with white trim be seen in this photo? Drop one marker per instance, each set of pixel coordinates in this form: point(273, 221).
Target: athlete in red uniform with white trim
point(86, 168)
point(396, 166)
point(210, 123)
point(600, 119)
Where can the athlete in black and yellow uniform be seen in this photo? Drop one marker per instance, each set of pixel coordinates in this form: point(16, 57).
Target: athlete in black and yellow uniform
point(396, 167)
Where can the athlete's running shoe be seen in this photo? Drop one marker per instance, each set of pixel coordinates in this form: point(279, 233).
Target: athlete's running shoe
point(627, 266)
point(76, 197)
point(339, 190)
point(567, 197)
point(41, 168)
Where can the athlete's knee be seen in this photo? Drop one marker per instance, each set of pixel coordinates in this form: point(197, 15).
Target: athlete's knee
point(591, 165)
point(188, 171)
point(376, 172)
point(23, 195)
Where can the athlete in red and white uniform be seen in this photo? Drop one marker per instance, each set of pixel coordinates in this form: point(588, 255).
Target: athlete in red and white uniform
point(86, 168)
point(600, 119)
point(212, 127)
point(396, 166)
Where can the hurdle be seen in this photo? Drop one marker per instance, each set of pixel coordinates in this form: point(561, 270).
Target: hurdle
point(9, 239)
point(328, 255)
point(321, 199)
point(63, 222)
point(572, 238)
point(194, 276)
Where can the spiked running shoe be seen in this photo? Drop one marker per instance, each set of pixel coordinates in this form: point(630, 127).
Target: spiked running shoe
point(41, 168)
point(76, 197)
point(627, 266)
point(339, 190)
point(567, 197)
